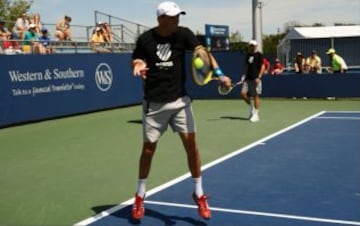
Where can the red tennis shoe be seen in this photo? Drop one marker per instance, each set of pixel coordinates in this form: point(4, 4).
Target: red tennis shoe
point(138, 209)
point(203, 207)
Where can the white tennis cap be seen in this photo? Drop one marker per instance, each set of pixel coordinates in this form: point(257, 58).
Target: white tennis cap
point(169, 8)
point(253, 43)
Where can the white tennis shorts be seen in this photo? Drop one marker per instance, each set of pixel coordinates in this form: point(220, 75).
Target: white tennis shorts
point(158, 116)
point(251, 88)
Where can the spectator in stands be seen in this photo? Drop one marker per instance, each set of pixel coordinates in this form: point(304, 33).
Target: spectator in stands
point(4, 33)
point(9, 47)
point(63, 32)
point(338, 64)
point(277, 68)
point(299, 63)
point(12, 47)
point(21, 26)
point(32, 39)
point(313, 63)
point(108, 34)
point(97, 41)
point(267, 65)
point(44, 39)
point(35, 19)
point(106, 31)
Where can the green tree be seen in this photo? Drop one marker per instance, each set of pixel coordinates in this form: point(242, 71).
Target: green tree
point(236, 41)
point(271, 42)
point(11, 9)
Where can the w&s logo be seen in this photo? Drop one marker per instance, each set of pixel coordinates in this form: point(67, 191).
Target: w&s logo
point(103, 77)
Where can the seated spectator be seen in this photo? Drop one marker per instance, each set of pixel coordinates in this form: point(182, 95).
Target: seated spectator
point(35, 19)
point(32, 40)
point(21, 26)
point(11, 47)
point(338, 64)
point(266, 63)
point(97, 41)
point(313, 63)
point(63, 32)
point(277, 68)
point(299, 63)
point(44, 39)
point(4, 33)
point(108, 34)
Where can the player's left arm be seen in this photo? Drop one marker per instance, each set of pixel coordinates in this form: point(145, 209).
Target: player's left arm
point(261, 71)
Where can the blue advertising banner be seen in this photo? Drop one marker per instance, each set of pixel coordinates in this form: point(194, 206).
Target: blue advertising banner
point(217, 37)
point(38, 87)
point(34, 87)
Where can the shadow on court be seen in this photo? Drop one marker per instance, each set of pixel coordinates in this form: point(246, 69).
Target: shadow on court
point(167, 220)
point(139, 121)
point(99, 209)
point(136, 121)
point(234, 118)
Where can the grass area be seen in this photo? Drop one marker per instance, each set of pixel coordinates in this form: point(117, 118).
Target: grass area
point(59, 172)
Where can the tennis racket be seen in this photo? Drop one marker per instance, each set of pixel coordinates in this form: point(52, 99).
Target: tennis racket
point(202, 70)
point(223, 90)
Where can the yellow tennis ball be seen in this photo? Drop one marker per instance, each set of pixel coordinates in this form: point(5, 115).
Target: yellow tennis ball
point(198, 63)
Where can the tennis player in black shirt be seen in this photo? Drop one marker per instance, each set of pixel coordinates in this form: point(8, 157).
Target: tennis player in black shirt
point(252, 87)
point(159, 57)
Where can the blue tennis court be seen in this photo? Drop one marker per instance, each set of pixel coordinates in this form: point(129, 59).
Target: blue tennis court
point(306, 174)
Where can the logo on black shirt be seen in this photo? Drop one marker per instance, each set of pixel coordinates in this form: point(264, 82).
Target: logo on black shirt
point(164, 53)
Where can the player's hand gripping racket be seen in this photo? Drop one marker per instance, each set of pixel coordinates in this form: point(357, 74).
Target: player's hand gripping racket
point(202, 70)
point(224, 90)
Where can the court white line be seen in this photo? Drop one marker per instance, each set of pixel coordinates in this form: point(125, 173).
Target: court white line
point(187, 175)
point(342, 112)
point(341, 118)
point(265, 214)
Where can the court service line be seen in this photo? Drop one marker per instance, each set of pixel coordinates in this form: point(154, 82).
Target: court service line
point(265, 214)
point(187, 175)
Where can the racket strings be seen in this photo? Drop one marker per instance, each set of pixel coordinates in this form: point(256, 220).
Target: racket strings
point(202, 75)
point(223, 90)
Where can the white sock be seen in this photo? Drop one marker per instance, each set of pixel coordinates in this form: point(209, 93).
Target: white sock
point(141, 189)
point(251, 107)
point(198, 187)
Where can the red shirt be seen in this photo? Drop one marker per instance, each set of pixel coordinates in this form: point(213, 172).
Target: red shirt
point(277, 65)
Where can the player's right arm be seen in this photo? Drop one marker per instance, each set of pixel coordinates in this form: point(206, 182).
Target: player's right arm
point(139, 67)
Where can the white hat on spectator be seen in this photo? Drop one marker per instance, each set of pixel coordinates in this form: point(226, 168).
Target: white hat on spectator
point(169, 8)
point(32, 26)
point(253, 43)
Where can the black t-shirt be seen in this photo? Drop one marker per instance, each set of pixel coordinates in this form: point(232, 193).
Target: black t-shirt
point(165, 58)
point(254, 62)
